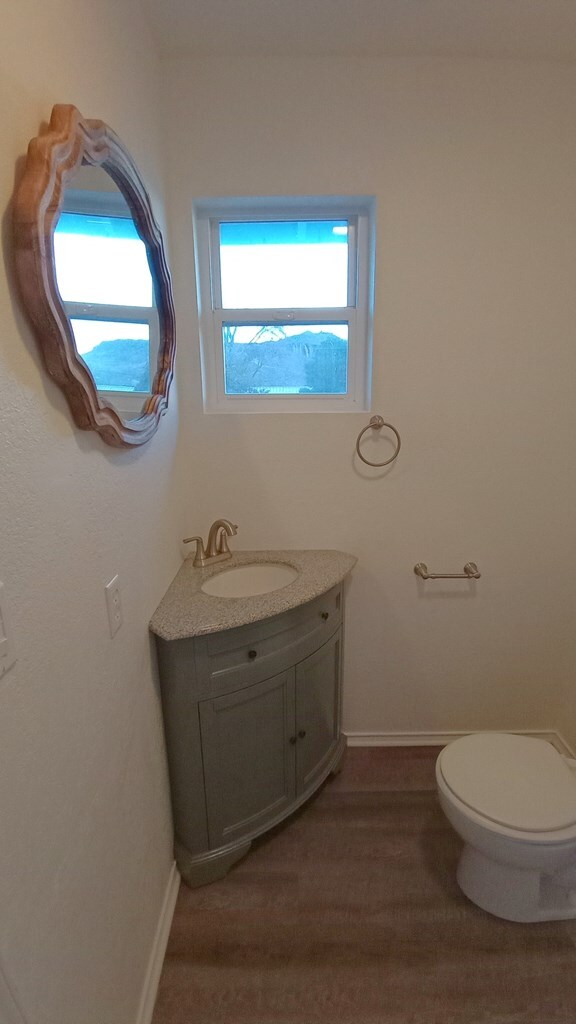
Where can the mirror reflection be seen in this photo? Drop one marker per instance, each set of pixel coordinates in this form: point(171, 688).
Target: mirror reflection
point(107, 290)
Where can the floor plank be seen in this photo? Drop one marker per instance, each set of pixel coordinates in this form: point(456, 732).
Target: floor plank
point(350, 914)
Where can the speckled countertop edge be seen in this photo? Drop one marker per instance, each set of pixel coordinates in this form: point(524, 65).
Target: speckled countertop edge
point(186, 611)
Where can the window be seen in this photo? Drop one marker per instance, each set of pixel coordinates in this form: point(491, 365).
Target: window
point(285, 294)
point(106, 287)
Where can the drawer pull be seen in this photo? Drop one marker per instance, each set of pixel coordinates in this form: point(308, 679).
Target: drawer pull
point(325, 615)
point(292, 740)
point(302, 733)
point(252, 655)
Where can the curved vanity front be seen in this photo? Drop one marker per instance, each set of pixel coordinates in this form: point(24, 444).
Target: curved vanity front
point(251, 695)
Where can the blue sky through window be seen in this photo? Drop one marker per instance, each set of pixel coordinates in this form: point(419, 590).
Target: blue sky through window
point(284, 264)
point(101, 260)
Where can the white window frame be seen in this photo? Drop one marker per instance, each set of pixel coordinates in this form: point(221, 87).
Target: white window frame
point(113, 204)
point(359, 211)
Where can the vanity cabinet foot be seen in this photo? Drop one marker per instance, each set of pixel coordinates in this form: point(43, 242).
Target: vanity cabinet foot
point(252, 719)
point(208, 867)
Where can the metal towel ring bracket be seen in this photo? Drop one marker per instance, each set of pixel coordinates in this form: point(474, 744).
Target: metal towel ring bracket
point(376, 423)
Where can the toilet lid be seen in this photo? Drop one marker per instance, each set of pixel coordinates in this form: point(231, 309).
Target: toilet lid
point(516, 781)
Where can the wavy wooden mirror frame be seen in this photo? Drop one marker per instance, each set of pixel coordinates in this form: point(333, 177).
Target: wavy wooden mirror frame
point(53, 159)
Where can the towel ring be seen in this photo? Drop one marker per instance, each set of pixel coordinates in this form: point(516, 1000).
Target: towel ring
point(376, 423)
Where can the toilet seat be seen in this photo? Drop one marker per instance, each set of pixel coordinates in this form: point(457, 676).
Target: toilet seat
point(518, 782)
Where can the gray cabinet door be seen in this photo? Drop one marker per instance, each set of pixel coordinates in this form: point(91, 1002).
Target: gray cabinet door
point(249, 757)
point(318, 712)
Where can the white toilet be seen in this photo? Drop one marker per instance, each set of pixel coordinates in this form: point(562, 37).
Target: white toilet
point(512, 799)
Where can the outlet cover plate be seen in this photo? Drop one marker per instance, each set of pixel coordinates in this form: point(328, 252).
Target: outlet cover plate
point(113, 605)
point(7, 653)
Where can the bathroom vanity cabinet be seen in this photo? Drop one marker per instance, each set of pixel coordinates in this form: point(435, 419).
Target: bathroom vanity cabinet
point(252, 719)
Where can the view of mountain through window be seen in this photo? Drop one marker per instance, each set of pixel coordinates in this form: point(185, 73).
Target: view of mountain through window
point(286, 360)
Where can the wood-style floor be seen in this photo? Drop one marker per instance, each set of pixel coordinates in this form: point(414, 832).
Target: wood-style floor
point(350, 914)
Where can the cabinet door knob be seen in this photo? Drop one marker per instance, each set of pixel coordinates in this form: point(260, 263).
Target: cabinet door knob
point(252, 655)
point(292, 740)
point(302, 733)
point(325, 615)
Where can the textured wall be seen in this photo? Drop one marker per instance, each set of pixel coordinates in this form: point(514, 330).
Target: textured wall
point(472, 163)
point(86, 837)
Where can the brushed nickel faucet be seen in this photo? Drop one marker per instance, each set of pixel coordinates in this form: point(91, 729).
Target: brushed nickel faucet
point(216, 549)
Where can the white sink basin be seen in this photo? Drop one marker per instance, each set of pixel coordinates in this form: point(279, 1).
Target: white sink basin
point(250, 580)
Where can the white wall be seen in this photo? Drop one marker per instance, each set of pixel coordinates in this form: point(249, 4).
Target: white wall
point(85, 853)
point(473, 166)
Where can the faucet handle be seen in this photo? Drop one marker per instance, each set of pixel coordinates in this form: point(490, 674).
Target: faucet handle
point(200, 556)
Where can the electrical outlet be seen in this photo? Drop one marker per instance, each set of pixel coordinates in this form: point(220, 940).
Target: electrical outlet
point(113, 605)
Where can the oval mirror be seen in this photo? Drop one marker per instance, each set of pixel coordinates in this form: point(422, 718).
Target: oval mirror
point(92, 270)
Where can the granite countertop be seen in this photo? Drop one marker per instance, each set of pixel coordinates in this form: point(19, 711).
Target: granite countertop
point(186, 611)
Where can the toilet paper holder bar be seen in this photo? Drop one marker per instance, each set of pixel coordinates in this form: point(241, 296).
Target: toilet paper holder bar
point(470, 573)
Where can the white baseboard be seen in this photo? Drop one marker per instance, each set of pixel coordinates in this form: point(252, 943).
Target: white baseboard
point(152, 979)
point(440, 739)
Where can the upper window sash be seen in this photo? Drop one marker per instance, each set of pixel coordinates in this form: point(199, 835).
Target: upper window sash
point(287, 216)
